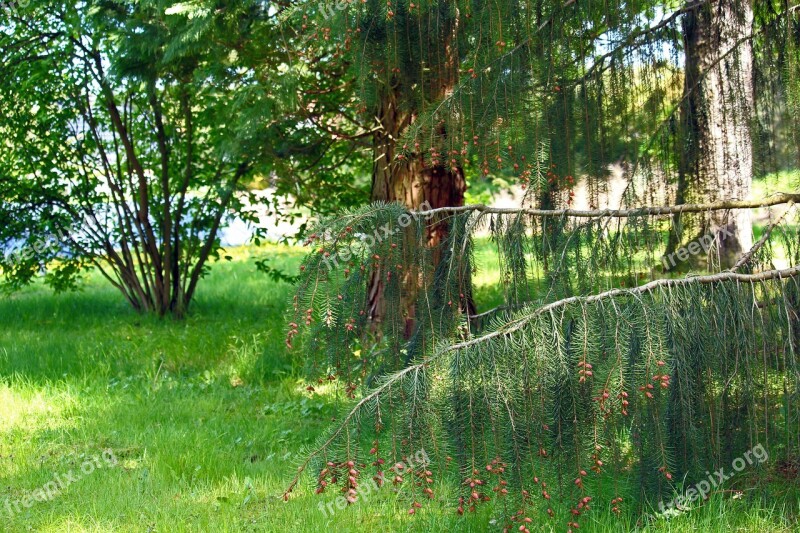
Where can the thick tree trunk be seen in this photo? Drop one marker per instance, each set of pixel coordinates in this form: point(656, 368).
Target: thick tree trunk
point(410, 180)
point(412, 183)
point(717, 159)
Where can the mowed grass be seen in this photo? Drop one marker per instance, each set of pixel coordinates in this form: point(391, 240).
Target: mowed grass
point(207, 420)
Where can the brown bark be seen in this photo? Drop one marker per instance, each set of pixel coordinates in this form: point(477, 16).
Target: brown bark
point(717, 160)
point(412, 183)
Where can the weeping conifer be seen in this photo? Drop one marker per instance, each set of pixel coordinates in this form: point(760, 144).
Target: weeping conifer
point(583, 387)
point(597, 377)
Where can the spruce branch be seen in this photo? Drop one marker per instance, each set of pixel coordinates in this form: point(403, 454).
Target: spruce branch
point(353, 414)
point(396, 379)
point(519, 322)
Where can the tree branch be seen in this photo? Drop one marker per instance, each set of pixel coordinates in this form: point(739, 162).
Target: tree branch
point(520, 322)
point(757, 246)
point(777, 199)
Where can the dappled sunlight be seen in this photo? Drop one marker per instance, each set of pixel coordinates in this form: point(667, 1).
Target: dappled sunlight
point(29, 409)
point(329, 265)
point(208, 426)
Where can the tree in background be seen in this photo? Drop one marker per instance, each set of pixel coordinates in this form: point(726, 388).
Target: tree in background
point(130, 135)
point(446, 93)
point(716, 121)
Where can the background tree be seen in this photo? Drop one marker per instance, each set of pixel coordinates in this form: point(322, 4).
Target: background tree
point(717, 115)
point(130, 135)
point(446, 90)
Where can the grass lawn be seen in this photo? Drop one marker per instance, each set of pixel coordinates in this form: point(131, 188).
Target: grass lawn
point(206, 420)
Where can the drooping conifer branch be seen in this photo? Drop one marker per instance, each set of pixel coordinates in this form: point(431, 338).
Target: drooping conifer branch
point(520, 321)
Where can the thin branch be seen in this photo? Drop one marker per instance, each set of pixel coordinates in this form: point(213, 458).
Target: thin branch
point(630, 41)
point(492, 311)
point(757, 246)
point(515, 325)
point(777, 199)
point(207, 247)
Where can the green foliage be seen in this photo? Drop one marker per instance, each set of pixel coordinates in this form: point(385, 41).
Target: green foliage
point(505, 394)
point(481, 86)
point(275, 274)
point(129, 132)
point(575, 381)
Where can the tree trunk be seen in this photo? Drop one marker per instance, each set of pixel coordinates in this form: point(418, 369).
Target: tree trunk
point(412, 183)
point(716, 160)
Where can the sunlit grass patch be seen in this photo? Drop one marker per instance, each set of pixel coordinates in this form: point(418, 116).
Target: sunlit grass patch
point(28, 408)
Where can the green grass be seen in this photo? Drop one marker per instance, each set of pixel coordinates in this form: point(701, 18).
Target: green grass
point(206, 419)
point(783, 181)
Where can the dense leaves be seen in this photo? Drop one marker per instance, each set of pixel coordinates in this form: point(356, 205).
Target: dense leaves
point(129, 134)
